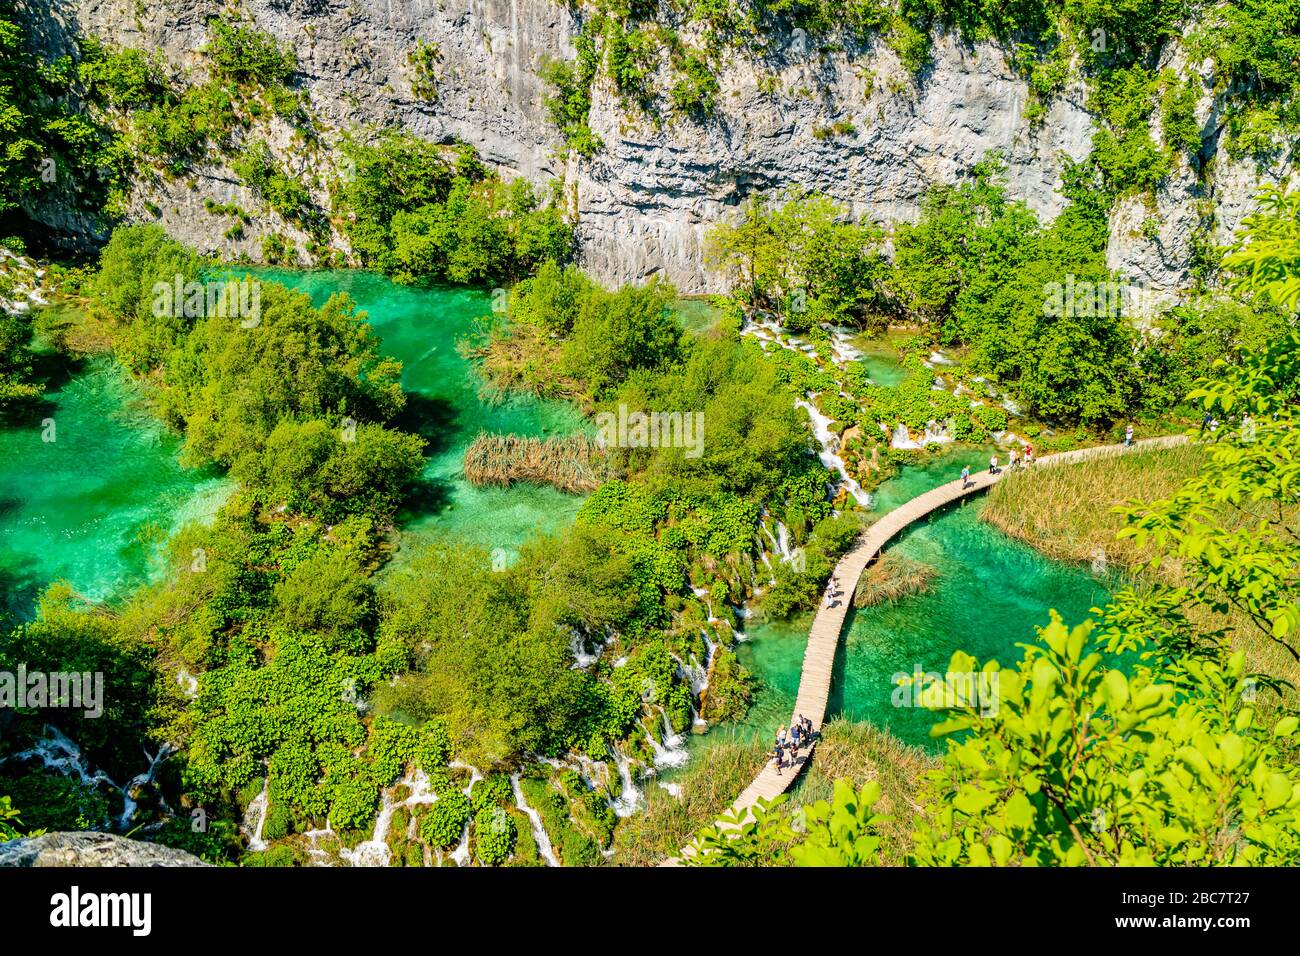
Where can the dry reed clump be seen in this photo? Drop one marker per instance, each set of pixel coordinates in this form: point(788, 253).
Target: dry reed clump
point(892, 577)
point(574, 463)
point(524, 359)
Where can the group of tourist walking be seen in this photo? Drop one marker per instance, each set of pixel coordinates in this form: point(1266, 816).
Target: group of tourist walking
point(1014, 461)
point(800, 734)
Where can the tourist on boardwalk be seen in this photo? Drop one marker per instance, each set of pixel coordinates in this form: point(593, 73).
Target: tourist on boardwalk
point(1128, 435)
point(1029, 454)
point(832, 591)
point(1205, 423)
point(1011, 460)
point(965, 477)
point(778, 755)
point(993, 465)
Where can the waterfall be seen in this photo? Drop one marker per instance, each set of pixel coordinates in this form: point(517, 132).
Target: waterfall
point(58, 753)
point(461, 853)
point(936, 433)
point(902, 438)
point(826, 438)
point(697, 720)
point(841, 351)
point(697, 675)
point(581, 658)
point(256, 810)
point(780, 541)
point(670, 753)
point(375, 851)
point(319, 856)
point(674, 743)
point(783, 540)
point(539, 832)
point(629, 799)
point(703, 594)
point(141, 780)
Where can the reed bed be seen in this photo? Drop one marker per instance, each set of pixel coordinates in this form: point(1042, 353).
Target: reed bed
point(1066, 511)
point(891, 578)
point(574, 463)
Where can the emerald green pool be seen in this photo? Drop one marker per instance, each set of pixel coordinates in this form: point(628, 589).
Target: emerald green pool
point(93, 505)
point(421, 328)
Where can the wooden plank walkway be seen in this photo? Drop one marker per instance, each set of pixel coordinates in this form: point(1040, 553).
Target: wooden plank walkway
point(824, 637)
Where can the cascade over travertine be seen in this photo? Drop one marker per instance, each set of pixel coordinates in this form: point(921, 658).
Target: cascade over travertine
point(824, 637)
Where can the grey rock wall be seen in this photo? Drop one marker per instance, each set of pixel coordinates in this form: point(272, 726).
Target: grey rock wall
point(644, 203)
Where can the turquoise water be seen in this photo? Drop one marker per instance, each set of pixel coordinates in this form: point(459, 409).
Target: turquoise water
point(989, 595)
point(93, 505)
point(421, 328)
point(880, 359)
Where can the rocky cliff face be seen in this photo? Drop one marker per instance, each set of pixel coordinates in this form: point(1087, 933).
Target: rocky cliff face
point(90, 849)
point(645, 202)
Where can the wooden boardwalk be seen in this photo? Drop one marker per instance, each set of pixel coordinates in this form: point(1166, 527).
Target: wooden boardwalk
point(824, 637)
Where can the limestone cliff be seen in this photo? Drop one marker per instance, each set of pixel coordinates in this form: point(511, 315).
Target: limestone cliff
point(644, 203)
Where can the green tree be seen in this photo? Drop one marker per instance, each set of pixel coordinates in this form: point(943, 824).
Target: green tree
point(16, 358)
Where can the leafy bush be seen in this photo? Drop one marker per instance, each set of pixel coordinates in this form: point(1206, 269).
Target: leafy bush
point(494, 835)
point(421, 215)
point(444, 822)
point(247, 55)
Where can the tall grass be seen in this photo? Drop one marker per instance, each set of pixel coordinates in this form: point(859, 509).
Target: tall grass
point(574, 463)
point(1066, 512)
